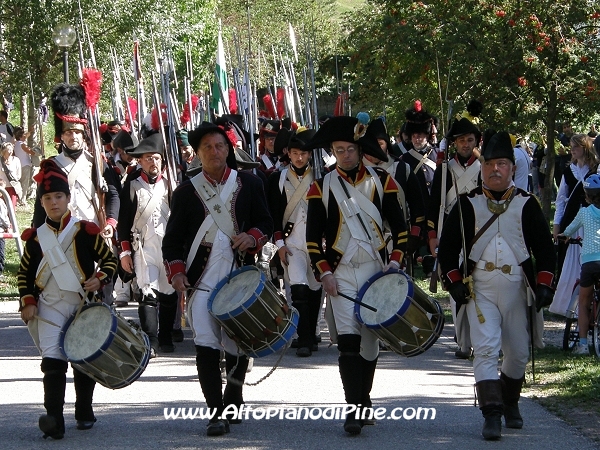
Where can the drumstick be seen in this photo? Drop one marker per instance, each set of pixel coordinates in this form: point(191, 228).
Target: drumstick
point(49, 322)
point(347, 297)
point(235, 253)
point(85, 293)
point(192, 288)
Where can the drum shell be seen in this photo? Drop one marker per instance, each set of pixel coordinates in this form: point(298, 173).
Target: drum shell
point(414, 327)
point(119, 360)
point(263, 323)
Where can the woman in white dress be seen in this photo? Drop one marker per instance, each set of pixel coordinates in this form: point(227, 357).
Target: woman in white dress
point(569, 200)
point(10, 172)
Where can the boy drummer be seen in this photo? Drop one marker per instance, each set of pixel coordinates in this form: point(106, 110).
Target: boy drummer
point(50, 295)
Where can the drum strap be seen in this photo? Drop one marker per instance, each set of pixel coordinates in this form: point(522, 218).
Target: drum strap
point(54, 255)
point(213, 202)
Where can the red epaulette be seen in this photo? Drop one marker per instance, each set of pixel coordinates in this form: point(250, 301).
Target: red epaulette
point(28, 233)
point(90, 227)
point(314, 191)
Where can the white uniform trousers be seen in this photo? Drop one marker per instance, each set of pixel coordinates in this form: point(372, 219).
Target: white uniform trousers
point(207, 331)
point(503, 303)
point(350, 278)
point(149, 268)
point(298, 270)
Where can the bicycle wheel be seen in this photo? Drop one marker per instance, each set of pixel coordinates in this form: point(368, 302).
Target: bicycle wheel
point(596, 328)
point(571, 334)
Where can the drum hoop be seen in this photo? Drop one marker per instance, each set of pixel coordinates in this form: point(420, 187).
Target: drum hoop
point(365, 287)
point(105, 345)
point(248, 302)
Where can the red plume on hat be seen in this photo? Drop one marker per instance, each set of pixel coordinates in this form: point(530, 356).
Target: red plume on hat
point(270, 107)
point(155, 123)
point(281, 103)
point(186, 115)
point(91, 82)
point(134, 110)
point(233, 105)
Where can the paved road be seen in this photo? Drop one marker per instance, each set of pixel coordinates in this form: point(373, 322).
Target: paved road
point(133, 417)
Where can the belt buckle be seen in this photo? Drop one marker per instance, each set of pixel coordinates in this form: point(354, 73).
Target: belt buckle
point(489, 266)
point(505, 269)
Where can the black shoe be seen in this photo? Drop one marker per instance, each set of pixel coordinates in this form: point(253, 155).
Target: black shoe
point(121, 303)
point(85, 424)
point(492, 427)
point(217, 428)
point(303, 352)
point(315, 347)
point(512, 416)
point(462, 355)
point(177, 335)
point(294, 343)
point(352, 425)
point(50, 427)
point(318, 338)
point(167, 348)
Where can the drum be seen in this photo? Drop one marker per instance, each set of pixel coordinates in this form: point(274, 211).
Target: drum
point(407, 320)
point(253, 312)
point(105, 346)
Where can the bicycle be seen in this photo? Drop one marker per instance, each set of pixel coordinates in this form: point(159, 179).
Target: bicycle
point(571, 333)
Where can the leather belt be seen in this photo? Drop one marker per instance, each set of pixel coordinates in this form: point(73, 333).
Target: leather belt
point(489, 266)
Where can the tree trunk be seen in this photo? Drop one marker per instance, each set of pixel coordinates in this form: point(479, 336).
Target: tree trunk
point(547, 191)
point(23, 113)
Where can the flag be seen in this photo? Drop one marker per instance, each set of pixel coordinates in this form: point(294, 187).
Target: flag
point(220, 84)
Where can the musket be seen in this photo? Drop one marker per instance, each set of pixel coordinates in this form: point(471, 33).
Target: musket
point(309, 121)
point(139, 84)
point(39, 119)
point(467, 279)
point(170, 169)
point(296, 93)
point(315, 113)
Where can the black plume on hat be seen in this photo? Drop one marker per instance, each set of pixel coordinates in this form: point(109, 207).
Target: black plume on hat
point(418, 120)
point(68, 102)
point(497, 145)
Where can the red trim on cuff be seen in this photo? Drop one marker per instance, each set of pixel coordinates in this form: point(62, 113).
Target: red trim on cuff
point(112, 222)
point(432, 234)
point(454, 276)
point(323, 266)
point(125, 246)
point(27, 300)
point(278, 236)
point(259, 238)
point(396, 255)
point(174, 268)
point(545, 278)
point(415, 230)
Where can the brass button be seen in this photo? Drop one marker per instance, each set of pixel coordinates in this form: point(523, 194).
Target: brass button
point(505, 269)
point(489, 266)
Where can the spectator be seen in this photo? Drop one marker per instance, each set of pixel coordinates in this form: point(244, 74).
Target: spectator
point(23, 152)
point(6, 128)
point(10, 173)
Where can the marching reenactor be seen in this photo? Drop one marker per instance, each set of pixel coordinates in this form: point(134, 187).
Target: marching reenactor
point(215, 215)
point(286, 193)
point(500, 229)
point(463, 170)
point(54, 293)
point(347, 207)
point(268, 159)
point(142, 222)
point(123, 162)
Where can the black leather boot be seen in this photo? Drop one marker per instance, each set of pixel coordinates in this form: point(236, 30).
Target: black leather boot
point(166, 317)
point(511, 393)
point(148, 314)
point(233, 389)
point(209, 374)
point(301, 295)
point(84, 393)
point(351, 373)
point(489, 393)
point(315, 314)
point(52, 423)
point(368, 368)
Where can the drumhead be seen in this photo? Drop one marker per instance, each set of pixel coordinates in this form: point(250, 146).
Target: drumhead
point(388, 293)
point(91, 332)
point(231, 293)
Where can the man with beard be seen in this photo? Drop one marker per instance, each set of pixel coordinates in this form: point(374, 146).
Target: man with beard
point(502, 229)
point(287, 202)
point(464, 171)
point(68, 104)
point(142, 222)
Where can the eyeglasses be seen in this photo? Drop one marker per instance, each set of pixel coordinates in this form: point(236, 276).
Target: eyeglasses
point(151, 159)
point(343, 150)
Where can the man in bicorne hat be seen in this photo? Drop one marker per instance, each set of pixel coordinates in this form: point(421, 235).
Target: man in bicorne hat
point(214, 216)
point(267, 134)
point(347, 207)
point(503, 229)
point(142, 221)
point(286, 193)
point(463, 169)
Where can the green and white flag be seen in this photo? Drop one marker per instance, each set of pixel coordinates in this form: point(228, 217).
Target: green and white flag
point(220, 84)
